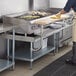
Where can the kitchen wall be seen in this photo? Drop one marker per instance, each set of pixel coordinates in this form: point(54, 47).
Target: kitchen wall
point(39, 4)
point(57, 3)
point(12, 6)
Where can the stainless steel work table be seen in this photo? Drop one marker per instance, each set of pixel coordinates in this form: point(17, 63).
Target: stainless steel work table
point(6, 63)
point(29, 54)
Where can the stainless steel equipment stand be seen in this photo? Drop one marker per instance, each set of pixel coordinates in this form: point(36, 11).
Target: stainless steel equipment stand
point(6, 63)
point(29, 55)
point(13, 48)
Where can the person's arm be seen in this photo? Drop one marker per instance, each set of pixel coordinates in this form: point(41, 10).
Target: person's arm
point(67, 7)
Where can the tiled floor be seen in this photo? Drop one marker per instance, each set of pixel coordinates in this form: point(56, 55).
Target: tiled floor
point(22, 67)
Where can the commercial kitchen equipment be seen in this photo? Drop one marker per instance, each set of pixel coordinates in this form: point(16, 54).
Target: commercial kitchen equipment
point(28, 24)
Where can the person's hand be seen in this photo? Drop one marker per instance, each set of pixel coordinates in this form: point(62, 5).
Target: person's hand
point(58, 15)
point(62, 11)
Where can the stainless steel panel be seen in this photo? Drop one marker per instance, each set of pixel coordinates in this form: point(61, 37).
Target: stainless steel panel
point(26, 26)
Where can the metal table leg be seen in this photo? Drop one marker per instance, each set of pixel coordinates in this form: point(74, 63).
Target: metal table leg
point(31, 61)
point(8, 50)
point(13, 49)
point(54, 43)
point(57, 41)
point(41, 36)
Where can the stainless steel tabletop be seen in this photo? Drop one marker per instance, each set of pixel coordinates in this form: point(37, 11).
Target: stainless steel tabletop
point(5, 28)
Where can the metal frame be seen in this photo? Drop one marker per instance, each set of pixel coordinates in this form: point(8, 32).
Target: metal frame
point(31, 57)
point(45, 34)
point(5, 64)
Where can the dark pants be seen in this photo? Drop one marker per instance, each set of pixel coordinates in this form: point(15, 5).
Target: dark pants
point(74, 52)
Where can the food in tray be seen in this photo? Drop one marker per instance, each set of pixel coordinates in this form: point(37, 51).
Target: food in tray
point(57, 16)
point(29, 17)
point(39, 13)
point(54, 17)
